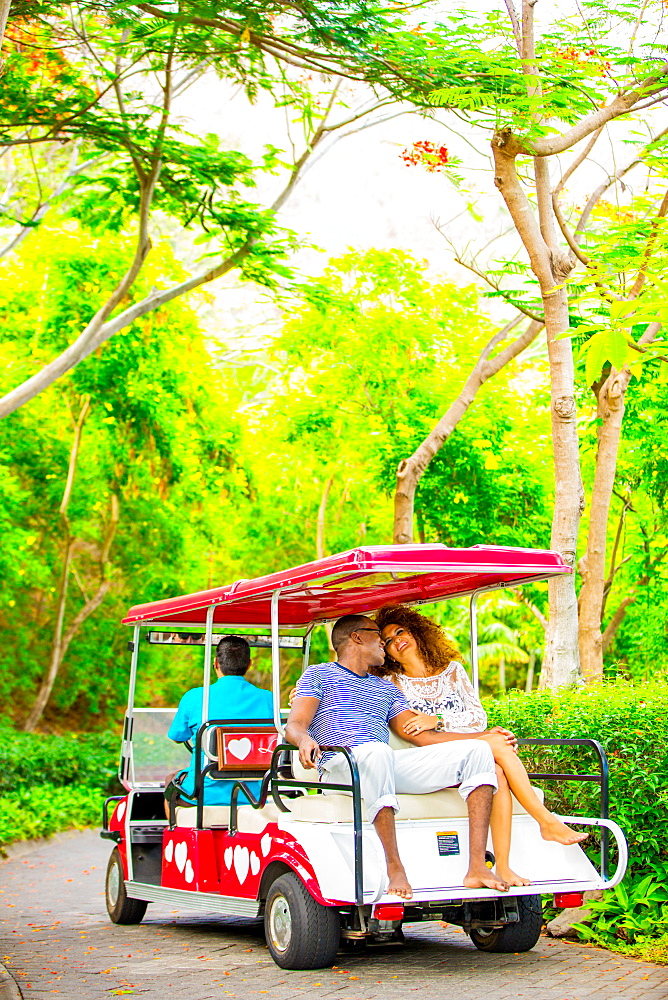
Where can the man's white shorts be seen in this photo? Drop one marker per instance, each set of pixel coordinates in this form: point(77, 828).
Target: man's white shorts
point(384, 772)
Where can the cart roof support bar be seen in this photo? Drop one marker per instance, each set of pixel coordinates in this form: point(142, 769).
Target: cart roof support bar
point(276, 663)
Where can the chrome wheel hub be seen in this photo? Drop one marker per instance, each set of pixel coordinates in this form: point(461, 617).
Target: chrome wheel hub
point(280, 923)
point(113, 886)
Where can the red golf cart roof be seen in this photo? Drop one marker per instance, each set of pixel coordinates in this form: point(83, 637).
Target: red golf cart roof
point(360, 580)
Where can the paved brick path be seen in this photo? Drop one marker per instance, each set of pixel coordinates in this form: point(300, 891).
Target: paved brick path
point(56, 939)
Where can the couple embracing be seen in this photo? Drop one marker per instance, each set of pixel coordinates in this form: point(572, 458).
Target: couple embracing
point(398, 672)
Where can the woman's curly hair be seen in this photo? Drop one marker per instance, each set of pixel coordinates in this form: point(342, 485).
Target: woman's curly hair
point(434, 648)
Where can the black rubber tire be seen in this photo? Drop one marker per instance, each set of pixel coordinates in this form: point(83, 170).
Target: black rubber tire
point(521, 936)
point(121, 909)
point(300, 932)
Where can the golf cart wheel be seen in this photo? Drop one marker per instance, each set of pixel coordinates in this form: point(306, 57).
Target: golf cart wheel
point(121, 909)
point(300, 932)
point(520, 936)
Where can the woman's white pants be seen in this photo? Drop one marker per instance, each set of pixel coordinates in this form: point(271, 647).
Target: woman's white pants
point(384, 772)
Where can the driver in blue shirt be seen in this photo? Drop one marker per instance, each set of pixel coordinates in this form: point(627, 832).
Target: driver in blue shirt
point(230, 697)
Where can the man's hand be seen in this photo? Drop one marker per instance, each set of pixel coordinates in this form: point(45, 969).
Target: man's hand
point(309, 752)
point(296, 730)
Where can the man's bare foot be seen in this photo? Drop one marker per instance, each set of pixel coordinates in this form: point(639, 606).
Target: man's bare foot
point(554, 829)
point(398, 884)
point(484, 879)
point(507, 875)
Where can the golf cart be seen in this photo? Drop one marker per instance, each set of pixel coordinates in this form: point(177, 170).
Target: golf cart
point(308, 862)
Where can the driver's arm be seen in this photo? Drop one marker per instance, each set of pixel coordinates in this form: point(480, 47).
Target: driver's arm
point(300, 718)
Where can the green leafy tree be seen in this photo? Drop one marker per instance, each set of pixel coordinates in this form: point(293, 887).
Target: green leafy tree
point(84, 75)
point(113, 480)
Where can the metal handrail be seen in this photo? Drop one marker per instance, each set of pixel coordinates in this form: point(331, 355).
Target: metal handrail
point(201, 770)
point(602, 778)
point(273, 781)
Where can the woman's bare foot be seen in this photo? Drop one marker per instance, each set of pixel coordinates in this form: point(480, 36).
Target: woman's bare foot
point(398, 884)
point(554, 829)
point(484, 879)
point(506, 874)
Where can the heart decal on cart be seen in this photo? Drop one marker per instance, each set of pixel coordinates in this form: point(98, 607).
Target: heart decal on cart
point(241, 863)
point(254, 863)
point(120, 811)
point(189, 873)
point(180, 855)
point(169, 850)
point(240, 748)
point(265, 844)
point(228, 857)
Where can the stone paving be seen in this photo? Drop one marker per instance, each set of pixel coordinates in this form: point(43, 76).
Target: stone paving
point(56, 939)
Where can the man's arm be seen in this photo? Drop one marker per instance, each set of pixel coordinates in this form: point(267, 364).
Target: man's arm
point(300, 718)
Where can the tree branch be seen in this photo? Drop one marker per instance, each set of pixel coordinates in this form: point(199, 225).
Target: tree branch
point(536, 612)
point(614, 623)
point(101, 328)
point(4, 14)
point(529, 313)
point(578, 161)
point(649, 249)
point(623, 104)
point(410, 470)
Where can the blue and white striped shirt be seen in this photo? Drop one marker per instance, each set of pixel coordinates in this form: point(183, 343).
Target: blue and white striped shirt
point(352, 709)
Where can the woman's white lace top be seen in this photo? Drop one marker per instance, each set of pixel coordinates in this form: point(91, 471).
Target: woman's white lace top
point(450, 694)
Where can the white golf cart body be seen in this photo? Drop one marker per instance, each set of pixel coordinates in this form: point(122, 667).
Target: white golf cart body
point(310, 861)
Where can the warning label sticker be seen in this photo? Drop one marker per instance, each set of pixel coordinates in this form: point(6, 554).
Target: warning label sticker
point(448, 843)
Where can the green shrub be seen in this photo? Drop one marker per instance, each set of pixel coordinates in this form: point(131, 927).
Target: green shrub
point(46, 809)
point(30, 759)
point(628, 913)
point(631, 722)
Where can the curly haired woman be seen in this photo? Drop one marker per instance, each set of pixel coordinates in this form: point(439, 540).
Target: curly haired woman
point(427, 669)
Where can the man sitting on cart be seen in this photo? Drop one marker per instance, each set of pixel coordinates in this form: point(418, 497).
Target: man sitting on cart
point(342, 704)
point(230, 697)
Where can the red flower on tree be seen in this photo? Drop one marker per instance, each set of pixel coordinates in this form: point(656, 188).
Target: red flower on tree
point(426, 154)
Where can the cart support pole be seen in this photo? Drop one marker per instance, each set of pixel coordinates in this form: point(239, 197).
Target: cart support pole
point(208, 639)
point(126, 764)
point(474, 641)
point(199, 754)
point(276, 663)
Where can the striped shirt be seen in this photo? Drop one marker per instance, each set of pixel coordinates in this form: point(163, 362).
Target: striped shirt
point(352, 709)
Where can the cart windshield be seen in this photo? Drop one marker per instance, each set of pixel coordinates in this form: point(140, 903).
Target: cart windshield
point(154, 755)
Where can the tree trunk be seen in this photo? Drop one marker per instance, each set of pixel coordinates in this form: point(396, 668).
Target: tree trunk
point(592, 566)
point(561, 665)
point(411, 470)
point(4, 14)
point(320, 524)
point(56, 646)
point(502, 675)
point(46, 686)
point(551, 266)
point(528, 687)
point(610, 412)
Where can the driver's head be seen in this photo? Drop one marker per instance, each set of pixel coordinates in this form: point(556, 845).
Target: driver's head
point(358, 634)
point(232, 656)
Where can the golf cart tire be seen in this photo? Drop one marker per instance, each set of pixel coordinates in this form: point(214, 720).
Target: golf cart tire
point(121, 909)
point(520, 936)
point(300, 932)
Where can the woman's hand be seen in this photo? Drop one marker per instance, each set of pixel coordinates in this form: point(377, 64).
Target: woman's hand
point(420, 723)
point(510, 737)
point(500, 740)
